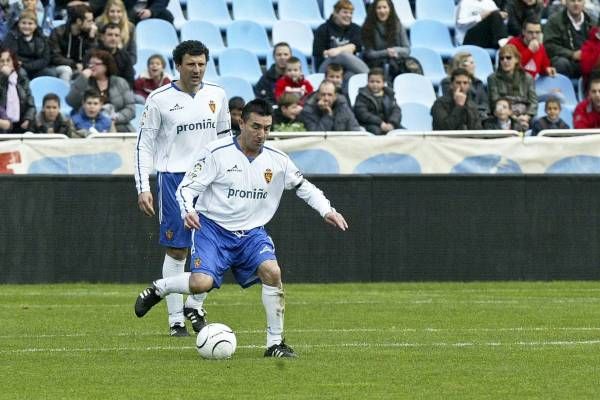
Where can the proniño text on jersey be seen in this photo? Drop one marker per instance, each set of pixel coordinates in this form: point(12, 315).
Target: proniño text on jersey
point(196, 126)
point(247, 194)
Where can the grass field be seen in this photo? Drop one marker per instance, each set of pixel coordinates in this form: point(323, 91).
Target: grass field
point(355, 341)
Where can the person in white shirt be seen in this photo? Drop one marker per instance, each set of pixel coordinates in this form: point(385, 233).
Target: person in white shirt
point(237, 184)
point(480, 23)
point(179, 118)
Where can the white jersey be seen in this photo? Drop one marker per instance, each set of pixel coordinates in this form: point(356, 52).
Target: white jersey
point(240, 194)
point(175, 126)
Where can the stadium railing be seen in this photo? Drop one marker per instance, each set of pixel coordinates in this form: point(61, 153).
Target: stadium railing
point(568, 132)
point(32, 136)
point(458, 134)
point(113, 135)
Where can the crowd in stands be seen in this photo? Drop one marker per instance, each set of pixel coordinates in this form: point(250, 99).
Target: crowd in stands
point(92, 46)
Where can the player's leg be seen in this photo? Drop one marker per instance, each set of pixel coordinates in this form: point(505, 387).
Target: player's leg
point(173, 265)
point(193, 309)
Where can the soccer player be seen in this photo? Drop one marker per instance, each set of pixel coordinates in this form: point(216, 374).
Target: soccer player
point(237, 184)
point(179, 119)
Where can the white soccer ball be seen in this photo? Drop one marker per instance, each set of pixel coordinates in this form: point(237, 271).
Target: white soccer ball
point(216, 342)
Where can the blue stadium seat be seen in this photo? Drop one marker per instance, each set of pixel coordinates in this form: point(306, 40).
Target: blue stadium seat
point(559, 86)
point(416, 117)
point(356, 82)
point(565, 113)
point(438, 10)
point(306, 11)
point(207, 32)
point(235, 86)
point(156, 34)
point(211, 74)
point(432, 35)
point(482, 59)
point(405, 13)
point(258, 11)
point(43, 85)
point(359, 15)
point(315, 79)
point(297, 34)
point(214, 11)
point(178, 18)
point(296, 53)
point(413, 88)
point(432, 64)
point(240, 63)
point(249, 35)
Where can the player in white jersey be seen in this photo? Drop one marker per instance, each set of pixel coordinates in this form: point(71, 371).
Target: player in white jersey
point(237, 184)
point(179, 119)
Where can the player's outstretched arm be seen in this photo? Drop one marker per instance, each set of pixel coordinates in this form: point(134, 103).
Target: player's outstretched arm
point(146, 203)
point(336, 219)
point(191, 220)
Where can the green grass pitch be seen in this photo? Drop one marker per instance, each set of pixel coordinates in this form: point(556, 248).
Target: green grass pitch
point(509, 340)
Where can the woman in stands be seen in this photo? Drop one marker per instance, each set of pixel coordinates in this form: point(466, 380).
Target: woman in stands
point(480, 23)
point(115, 12)
point(512, 82)
point(15, 96)
point(119, 102)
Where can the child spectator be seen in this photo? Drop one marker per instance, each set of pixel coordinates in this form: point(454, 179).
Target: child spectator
point(552, 120)
point(89, 119)
point(285, 117)
point(376, 107)
point(236, 105)
point(335, 73)
point(503, 117)
point(151, 79)
point(50, 119)
point(293, 81)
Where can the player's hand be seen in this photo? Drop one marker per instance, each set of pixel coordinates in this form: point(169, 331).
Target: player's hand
point(146, 203)
point(336, 219)
point(191, 220)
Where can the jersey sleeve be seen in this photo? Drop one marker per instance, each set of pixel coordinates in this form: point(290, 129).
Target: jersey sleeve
point(308, 192)
point(224, 119)
point(195, 181)
point(145, 147)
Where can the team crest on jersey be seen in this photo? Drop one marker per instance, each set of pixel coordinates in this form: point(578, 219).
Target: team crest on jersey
point(212, 106)
point(268, 175)
point(169, 234)
point(197, 262)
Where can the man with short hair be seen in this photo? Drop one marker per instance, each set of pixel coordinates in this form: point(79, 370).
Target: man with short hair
point(265, 87)
point(227, 197)
point(454, 110)
point(587, 112)
point(110, 40)
point(534, 58)
point(179, 119)
point(328, 111)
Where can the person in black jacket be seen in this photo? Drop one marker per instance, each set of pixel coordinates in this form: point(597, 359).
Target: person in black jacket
point(141, 10)
point(15, 94)
point(455, 111)
point(110, 40)
point(375, 108)
point(265, 87)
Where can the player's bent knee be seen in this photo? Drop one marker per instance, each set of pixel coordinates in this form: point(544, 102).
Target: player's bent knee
point(177, 253)
point(270, 273)
point(200, 283)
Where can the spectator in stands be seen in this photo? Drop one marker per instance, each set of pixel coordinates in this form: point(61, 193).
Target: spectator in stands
point(519, 11)
point(385, 42)
point(5, 122)
point(455, 110)
point(503, 117)
point(71, 41)
point(3, 26)
point(141, 10)
point(265, 88)
point(534, 59)
point(15, 94)
point(110, 40)
point(16, 7)
point(236, 105)
point(564, 33)
point(480, 23)
point(512, 82)
point(335, 73)
point(551, 120)
point(115, 12)
point(32, 48)
point(50, 119)
point(285, 117)
point(590, 55)
point(327, 111)
point(90, 118)
point(293, 81)
point(375, 107)
point(477, 90)
point(338, 40)
point(118, 99)
point(151, 79)
point(587, 112)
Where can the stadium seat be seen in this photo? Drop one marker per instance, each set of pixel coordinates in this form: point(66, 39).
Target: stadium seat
point(178, 18)
point(43, 85)
point(249, 35)
point(214, 11)
point(205, 31)
point(483, 62)
point(432, 64)
point(413, 88)
point(211, 70)
point(559, 86)
point(416, 117)
point(432, 35)
point(156, 34)
point(315, 79)
point(565, 113)
point(356, 82)
point(404, 12)
point(306, 11)
point(437, 10)
point(296, 53)
point(240, 63)
point(135, 122)
point(359, 15)
point(258, 11)
point(235, 86)
point(297, 34)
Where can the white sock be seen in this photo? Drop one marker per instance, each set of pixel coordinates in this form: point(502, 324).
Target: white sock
point(174, 267)
point(196, 301)
point(274, 303)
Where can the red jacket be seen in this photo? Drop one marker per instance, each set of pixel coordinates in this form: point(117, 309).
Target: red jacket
point(303, 87)
point(144, 85)
point(585, 116)
point(590, 53)
point(534, 63)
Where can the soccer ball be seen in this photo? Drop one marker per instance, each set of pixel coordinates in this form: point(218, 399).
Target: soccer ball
point(216, 342)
